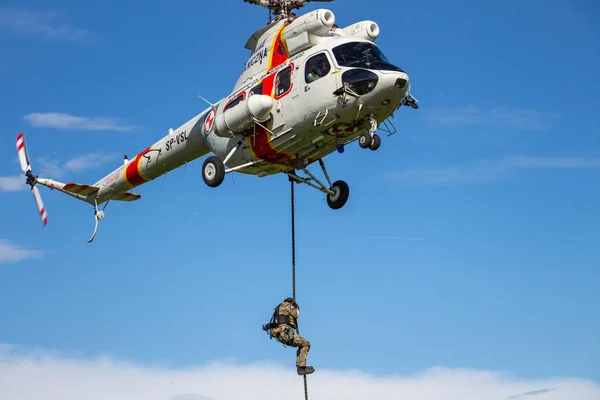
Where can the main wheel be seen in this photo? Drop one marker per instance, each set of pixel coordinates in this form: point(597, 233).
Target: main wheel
point(213, 171)
point(365, 140)
point(376, 142)
point(340, 196)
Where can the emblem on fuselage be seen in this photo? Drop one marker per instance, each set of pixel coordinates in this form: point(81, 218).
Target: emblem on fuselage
point(209, 121)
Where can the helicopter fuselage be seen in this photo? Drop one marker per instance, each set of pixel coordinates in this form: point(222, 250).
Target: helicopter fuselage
point(308, 89)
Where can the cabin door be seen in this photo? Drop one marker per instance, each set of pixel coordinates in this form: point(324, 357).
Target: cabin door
point(318, 82)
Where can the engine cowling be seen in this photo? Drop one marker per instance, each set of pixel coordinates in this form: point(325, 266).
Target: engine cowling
point(242, 116)
point(297, 33)
point(367, 30)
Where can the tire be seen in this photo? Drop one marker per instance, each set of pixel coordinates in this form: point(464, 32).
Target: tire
point(376, 142)
point(213, 171)
point(365, 140)
point(342, 191)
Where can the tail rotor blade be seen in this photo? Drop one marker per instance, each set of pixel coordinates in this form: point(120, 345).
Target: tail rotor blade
point(40, 205)
point(22, 150)
point(31, 179)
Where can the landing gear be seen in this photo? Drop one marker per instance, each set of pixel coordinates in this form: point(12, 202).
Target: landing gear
point(213, 171)
point(370, 139)
point(340, 196)
point(376, 142)
point(98, 215)
point(365, 140)
point(337, 192)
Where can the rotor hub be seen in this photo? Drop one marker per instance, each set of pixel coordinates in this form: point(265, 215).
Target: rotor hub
point(281, 8)
point(31, 179)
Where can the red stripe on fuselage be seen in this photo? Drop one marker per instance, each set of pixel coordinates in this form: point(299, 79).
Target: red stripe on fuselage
point(132, 172)
point(260, 143)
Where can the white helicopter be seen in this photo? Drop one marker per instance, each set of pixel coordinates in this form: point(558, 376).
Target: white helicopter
point(308, 89)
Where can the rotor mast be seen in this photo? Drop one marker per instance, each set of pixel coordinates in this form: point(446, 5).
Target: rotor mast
point(282, 8)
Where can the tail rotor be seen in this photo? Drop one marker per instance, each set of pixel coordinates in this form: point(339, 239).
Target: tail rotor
point(31, 178)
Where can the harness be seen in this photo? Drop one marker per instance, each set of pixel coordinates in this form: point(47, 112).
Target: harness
point(283, 319)
point(278, 319)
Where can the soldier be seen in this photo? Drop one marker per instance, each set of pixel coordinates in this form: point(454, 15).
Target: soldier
point(281, 327)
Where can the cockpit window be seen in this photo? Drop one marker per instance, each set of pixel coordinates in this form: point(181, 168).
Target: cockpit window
point(316, 67)
point(362, 55)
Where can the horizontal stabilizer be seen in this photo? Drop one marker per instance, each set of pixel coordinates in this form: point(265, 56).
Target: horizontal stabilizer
point(80, 189)
point(127, 196)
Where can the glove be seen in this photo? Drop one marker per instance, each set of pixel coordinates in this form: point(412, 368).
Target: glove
point(268, 326)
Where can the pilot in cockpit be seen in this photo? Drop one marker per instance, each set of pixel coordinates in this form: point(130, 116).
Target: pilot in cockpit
point(316, 68)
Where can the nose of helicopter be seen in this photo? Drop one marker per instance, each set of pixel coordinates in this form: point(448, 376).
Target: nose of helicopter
point(401, 81)
point(393, 86)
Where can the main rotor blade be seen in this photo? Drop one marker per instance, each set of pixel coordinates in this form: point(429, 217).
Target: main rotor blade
point(22, 150)
point(40, 205)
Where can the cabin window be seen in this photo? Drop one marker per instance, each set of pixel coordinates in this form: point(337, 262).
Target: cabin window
point(235, 101)
point(283, 82)
point(316, 67)
point(256, 90)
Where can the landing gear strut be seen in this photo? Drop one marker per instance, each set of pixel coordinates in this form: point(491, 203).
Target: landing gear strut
point(98, 215)
point(370, 139)
point(337, 192)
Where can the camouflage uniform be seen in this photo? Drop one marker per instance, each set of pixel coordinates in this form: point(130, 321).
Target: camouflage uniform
point(282, 327)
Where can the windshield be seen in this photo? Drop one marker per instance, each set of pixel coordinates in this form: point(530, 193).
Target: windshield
point(362, 55)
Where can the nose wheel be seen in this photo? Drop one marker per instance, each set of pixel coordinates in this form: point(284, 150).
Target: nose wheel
point(337, 192)
point(370, 140)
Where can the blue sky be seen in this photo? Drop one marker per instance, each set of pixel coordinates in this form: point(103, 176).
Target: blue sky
point(470, 239)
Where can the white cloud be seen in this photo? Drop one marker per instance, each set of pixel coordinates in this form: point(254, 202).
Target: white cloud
point(484, 171)
point(514, 118)
point(73, 122)
point(12, 253)
point(14, 183)
point(39, 375)
point(49, 25)
point(48, 167)
point(89, 161)
point(54, 169)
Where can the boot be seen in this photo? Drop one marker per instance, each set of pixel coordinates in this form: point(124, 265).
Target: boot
point(306, 370)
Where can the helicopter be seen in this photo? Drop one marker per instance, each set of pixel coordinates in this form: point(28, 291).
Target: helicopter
point(308, 89)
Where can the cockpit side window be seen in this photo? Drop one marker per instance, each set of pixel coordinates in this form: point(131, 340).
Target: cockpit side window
point(316, 67)
point(283, 82)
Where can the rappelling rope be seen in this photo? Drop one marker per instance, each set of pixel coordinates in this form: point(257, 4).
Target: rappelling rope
point(294, 274)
